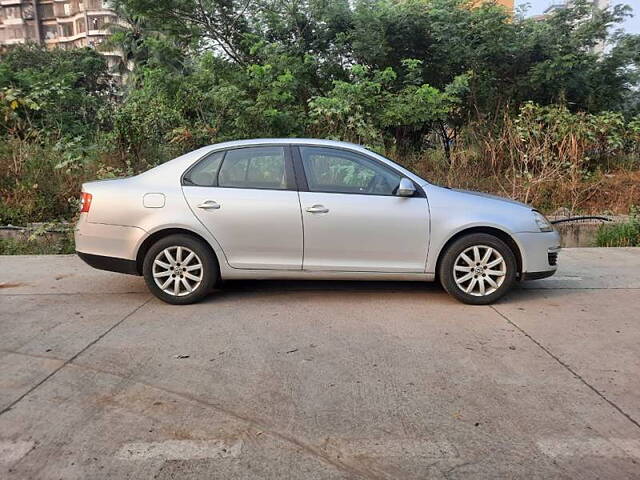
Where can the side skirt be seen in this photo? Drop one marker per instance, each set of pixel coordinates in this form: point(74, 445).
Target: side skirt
point(229, 274)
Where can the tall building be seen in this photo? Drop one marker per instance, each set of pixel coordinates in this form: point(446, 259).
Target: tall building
point(557, 5)
point(57, 23)
point(508, 4)
point(560, 4)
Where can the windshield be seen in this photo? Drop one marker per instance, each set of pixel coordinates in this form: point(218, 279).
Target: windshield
point(406, 167)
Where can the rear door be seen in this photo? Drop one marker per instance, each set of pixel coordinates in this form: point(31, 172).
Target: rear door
point(353, 221)
point(246, 198)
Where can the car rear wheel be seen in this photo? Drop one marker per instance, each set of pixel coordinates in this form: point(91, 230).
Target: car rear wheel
point(478, 269)
point(180, 269)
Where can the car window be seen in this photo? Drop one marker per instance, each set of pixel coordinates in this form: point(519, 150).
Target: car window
point(205, 172)
point(339, 171)
point(256, 167)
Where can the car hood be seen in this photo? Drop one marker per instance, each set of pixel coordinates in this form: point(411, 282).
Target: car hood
point(493, 197)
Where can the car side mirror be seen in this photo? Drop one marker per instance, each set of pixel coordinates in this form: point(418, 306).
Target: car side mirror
point(406, 188)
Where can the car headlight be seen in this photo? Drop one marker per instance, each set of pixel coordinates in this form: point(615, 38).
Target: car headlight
point(543, 223)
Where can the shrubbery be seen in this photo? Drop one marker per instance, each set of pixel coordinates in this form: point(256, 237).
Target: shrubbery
point(467, 96)
point(625, 234)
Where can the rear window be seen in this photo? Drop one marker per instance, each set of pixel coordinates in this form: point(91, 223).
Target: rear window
point(204, 174)
point(255, 167)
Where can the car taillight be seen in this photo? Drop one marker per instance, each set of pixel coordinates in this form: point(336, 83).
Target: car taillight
point(85, 202)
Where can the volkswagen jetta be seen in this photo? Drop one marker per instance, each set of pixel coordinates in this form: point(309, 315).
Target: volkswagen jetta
point(306, 209)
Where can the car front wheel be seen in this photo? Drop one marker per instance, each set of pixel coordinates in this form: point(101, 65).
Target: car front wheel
point(478, 269)
point(180, 269)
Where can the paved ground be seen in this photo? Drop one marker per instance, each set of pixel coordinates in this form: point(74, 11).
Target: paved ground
point(290, 380)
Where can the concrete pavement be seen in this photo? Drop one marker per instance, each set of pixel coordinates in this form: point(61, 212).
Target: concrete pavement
point(319, 380)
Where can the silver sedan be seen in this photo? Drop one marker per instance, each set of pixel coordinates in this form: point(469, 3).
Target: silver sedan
point(306, 209)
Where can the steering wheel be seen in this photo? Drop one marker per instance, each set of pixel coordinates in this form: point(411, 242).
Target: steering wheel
point(371, 184)
point(375, 182)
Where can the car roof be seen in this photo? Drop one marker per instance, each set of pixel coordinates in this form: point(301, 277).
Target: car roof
point(313, 142)
point(292, 141)
point(185, 161)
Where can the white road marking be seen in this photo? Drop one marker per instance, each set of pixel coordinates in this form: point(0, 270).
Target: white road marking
point(180, 450)
point(11, 452)
point(596, 447)
point(392, 448)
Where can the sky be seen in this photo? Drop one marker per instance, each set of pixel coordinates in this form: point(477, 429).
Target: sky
point(631, 25)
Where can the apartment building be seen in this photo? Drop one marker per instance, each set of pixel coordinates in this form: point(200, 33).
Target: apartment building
point(560, 4)
point(557, 5)
point(57, 23)
point(507, 4)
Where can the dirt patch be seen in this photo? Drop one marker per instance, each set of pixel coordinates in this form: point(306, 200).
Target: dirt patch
point(13, 285)
point(616, 193)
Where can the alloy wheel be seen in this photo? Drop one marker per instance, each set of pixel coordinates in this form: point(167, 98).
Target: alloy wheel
point(177, 271)
point(479, 270)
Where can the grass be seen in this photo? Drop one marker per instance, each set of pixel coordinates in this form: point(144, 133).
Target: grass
point(37, 246)
point(626, 234)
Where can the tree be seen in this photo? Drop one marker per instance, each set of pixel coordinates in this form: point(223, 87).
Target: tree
point(63, 90)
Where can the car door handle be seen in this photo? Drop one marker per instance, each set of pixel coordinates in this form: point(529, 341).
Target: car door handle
point(209, 205)
point(317, 209)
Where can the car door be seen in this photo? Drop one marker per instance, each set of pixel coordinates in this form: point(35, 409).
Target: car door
point(352, 219)
point(246, 198)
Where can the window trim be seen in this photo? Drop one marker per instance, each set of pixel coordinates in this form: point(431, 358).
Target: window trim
point(290, 177)
point(303, 185)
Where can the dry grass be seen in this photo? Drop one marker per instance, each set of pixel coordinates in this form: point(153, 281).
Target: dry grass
point(614, 192)
point(617, 192)
point(548, 158)
point(544, 156)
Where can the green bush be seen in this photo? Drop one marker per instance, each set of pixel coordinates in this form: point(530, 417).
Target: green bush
point(471, 96)
point(42, 245)
point(58, 92)
point(42, 177)
point(626, 234)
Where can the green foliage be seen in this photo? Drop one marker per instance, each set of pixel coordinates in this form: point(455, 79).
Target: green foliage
point(372, 108)
point(595, 138)
point(40, 179)
point(41, 245)
point(544, 61)
point(59, 92)
point(526, 102)
point(625, 234)
point(398, 75)
point(140, 126)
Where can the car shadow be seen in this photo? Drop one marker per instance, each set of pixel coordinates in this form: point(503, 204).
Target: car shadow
point(231, 289)
point(327, 285)
point(240, 288)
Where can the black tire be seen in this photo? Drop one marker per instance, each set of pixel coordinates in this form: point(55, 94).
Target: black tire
point(210, 272)
point(447, 276)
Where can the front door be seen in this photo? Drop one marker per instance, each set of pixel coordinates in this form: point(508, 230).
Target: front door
point(246, 198)
point(352, 219)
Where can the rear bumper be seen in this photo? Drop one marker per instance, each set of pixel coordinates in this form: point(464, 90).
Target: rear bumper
point(112, 264)
point(108, 247)
point(99, 239)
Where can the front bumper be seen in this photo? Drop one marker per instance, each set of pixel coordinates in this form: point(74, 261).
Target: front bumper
point(539, 254)
point(536, 275)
